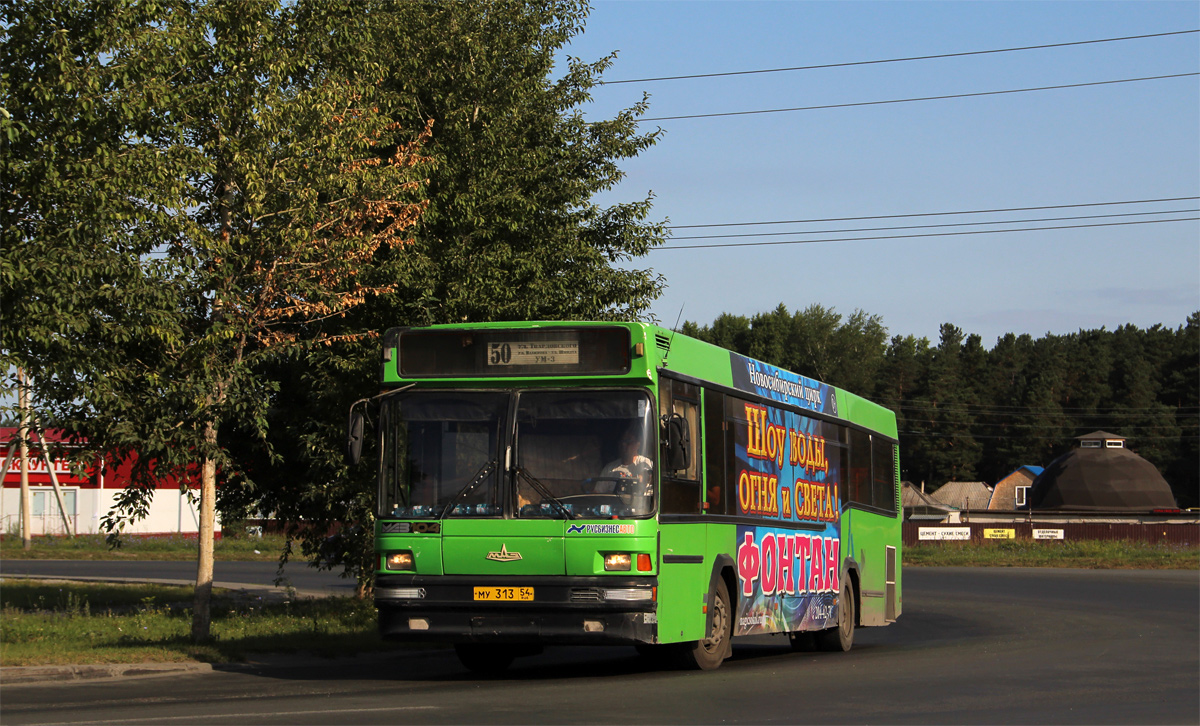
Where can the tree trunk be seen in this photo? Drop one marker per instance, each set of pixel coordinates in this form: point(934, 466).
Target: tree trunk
point(201, 614)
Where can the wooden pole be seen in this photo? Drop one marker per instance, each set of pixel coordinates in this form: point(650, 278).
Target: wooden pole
point(62, 507)
point(23, 433)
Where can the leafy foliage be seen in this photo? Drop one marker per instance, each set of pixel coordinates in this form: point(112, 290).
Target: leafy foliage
point(511, 231)
point(188, 192)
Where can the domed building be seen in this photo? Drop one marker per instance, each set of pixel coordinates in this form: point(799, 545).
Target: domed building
point(1100, 475)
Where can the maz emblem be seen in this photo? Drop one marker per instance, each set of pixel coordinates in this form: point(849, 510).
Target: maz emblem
point(504, 555)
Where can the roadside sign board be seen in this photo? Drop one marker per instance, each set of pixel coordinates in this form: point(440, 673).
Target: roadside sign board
point(999, 534)
point(1048, 534)
point(944, 533)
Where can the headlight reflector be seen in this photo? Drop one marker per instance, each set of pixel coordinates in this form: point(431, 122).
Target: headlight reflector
point(618, 561)
point(402, 560)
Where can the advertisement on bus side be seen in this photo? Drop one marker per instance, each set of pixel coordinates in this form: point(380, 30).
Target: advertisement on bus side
point(780, 385)
point(788, 580)
point(787, 473)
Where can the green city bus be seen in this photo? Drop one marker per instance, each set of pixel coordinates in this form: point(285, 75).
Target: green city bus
point(618, 483)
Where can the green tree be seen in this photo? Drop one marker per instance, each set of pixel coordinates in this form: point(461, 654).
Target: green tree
point(190, 193)
point(512, 230)
point(1137, 413)
point(1042, 429)
point(727, 331)
point(903, 367)
point(1181, 392)
point(945, 448)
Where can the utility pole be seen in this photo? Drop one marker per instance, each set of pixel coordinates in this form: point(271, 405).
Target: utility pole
point(23, 434)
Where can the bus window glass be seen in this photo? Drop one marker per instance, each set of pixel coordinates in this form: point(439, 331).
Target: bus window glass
point(681, 489)
point(858, 479)
point(714, 452)
point(586, 452)
point(883, 479)
point(439, 448)
point(838, 454)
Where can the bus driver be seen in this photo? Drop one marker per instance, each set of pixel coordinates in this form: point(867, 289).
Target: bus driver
point(629, 465)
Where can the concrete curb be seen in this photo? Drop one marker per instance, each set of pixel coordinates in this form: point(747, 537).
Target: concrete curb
point(52, 674)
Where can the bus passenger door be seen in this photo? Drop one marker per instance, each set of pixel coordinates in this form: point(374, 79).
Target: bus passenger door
point(683, 573)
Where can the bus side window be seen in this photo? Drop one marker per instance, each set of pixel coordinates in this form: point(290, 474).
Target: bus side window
point(858, 479)
point(883, 480)
point(681, 489)
point(714, 452)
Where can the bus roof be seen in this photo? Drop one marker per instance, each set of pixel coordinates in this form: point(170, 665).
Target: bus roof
point(654, 349)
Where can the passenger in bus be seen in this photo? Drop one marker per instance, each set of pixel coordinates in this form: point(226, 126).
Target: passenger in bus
point(629, 465)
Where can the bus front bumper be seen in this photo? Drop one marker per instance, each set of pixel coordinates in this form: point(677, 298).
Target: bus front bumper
point(579, 610)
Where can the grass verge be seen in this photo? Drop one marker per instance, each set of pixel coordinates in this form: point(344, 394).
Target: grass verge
point(151, 547)
point(1089, 554)
point(69, 623)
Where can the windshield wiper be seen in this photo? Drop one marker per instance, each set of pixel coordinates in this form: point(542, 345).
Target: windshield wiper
point(484, 472)
point(546, 495)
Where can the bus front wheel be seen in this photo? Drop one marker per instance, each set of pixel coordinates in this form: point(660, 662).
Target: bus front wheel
point(841, 637)
point(484, 658)
point(709, 653)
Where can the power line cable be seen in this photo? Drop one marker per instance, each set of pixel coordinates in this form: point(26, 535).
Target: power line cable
point(922, 98)
point(896, 60)
point(935, 226)
point(938, 214)
point(918, 236)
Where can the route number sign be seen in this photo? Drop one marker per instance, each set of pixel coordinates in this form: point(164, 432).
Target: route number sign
point(547, 353)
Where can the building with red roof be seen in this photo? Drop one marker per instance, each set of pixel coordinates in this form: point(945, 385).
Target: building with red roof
point(89, 490)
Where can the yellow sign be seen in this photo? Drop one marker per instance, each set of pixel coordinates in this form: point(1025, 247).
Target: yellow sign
point(999, 534)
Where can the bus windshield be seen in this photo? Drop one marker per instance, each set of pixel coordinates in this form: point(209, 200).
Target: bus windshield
point(440, 455)
point(578, 454)
point(584, 454)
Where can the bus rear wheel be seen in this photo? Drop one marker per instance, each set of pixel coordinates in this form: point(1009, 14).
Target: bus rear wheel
point(484, 658)
point(709, 653)
point(840, 638)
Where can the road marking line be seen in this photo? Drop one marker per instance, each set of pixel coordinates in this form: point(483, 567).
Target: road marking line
point(242, 715)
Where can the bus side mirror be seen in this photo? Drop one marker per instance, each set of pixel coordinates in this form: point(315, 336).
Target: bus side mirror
point(354, 437)
point(677, 443)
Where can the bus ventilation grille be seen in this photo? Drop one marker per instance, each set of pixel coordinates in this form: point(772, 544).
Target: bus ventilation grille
point(662, 341)
point(896, 479)
point(586, 596)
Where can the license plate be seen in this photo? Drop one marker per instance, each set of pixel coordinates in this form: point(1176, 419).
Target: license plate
point(504, 594)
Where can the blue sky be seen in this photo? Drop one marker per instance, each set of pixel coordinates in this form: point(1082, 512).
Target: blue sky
point(1121, 142)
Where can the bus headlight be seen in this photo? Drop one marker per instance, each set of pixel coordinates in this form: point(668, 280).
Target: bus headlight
point(402, 560)
point(618, 561)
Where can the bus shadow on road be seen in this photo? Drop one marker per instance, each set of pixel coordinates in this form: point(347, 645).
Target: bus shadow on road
point(556, 663)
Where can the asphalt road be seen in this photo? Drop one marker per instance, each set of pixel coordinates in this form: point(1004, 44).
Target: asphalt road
point(972, 646)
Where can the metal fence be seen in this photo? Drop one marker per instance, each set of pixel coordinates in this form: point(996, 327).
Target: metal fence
point(1155, 533)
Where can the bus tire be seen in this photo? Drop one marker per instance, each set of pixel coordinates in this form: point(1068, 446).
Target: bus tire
point(484, 658)
point(709, 653)
point(839, 639)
